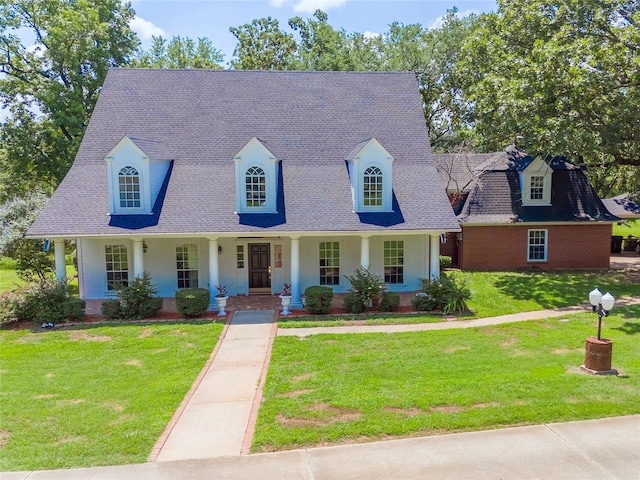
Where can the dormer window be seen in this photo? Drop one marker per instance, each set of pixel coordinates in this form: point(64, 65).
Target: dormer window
point(535, 183)
point(256, 188)
point(256, 179)
point(129, 186)
point(370, 172)
point(372, 187)
point(136, 171)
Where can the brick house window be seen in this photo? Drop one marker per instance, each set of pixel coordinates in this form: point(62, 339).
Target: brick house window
point(537, 246)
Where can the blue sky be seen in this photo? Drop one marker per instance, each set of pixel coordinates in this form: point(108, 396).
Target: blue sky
point(212, 18)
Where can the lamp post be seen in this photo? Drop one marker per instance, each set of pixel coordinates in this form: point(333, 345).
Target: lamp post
point(598, 351)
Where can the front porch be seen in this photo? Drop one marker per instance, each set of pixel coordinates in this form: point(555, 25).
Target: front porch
point(251, 302)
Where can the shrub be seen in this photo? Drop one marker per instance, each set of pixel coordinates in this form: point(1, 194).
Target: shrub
point(111, 309)
point(445, 261)
point(445, 294)
point(39, 302)
point(458, 296)
point(390, 301)
point(134, 298)
point(423, 303)
point(366, 284)
point(73, 308)
point(354, 303)
point(318, 299)
point(192, 302)
point(8, 302)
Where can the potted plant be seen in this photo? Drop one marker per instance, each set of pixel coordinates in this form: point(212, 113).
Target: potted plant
point(221, 300)
point(285, 298)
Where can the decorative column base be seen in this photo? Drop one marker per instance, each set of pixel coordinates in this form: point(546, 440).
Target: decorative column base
point(597, 357)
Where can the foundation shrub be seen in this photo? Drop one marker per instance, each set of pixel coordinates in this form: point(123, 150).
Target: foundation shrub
point(353, 303)
point(74, 308)
point(390, 302)
point(192, 302)
point(318, 299)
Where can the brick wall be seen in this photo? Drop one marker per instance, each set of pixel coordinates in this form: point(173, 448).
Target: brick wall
point(570, 246)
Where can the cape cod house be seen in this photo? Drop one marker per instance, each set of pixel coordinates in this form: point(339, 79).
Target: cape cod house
point(251, 179)
point(520, 212)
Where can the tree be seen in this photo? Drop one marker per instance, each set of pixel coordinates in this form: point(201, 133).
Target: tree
point(51, 86)
point(262, 45)
point(179, 53)
point(562, 77)
point(15, 218)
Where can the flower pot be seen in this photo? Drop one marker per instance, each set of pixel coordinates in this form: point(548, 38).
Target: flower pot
point(286, 302)
point(221, 303)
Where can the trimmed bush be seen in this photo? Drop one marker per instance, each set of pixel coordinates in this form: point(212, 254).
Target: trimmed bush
point(354, 303)
point(73, 309)
point(41, 302)
point(150, 307)
point(390, 301)
point(423, 303)
point(318, 299)
point(192, 302)
point(134, 298)
point(445, 261)
point(111, 309)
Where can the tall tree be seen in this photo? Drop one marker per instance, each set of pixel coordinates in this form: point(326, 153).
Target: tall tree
point(179, 53)
point(262, 45)
point(561, 76)
point(51, 86)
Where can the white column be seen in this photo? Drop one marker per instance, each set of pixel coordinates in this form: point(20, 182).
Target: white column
point(214, 274)
point(295, 273)
point(364, 251)
point(61, 264)
point(434, 256)
point(138, 259)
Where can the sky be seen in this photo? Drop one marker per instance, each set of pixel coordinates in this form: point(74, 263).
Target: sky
point(212, 18)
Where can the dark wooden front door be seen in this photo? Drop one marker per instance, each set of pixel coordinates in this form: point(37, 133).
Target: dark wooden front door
point(259, 268)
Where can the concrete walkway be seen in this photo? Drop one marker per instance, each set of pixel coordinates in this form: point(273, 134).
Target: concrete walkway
point(590, 450)
point(213, 420)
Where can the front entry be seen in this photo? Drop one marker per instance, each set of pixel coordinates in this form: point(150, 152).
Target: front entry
point(259, 268)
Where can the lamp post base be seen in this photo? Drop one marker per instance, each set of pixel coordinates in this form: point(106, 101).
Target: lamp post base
point(597, 357)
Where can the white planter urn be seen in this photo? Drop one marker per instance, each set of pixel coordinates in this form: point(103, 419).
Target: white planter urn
point(286, 302)
point(221, 303)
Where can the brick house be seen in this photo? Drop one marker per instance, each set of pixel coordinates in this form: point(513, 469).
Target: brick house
point(522, 212)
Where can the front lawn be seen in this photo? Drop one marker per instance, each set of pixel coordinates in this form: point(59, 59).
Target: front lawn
point(94, 396)
point(631, 227)
point(327, 389)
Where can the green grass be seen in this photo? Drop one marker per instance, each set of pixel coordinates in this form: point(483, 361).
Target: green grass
point(94, 396)
point(328, 389)
point(632, 227)
point(9, 279)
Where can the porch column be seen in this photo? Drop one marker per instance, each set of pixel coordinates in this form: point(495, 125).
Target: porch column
point(434, 257)
point(295, 273)
point(214, 275)
point(138, 259)
point(61, 264)
point(364, 251)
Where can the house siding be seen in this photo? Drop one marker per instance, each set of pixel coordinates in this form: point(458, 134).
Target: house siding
point(570, 246)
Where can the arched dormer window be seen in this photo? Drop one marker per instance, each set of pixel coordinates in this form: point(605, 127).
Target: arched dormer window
point(256, 188)
point(372, 187)
point(129, 187)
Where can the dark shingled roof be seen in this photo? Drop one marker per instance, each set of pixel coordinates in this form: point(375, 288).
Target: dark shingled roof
point(495, 197)
point(200, 119)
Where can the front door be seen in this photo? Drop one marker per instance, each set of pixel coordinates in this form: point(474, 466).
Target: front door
point(259, 268)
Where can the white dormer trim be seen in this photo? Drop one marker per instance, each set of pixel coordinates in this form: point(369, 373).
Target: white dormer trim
point(535, 183)
point(370, 158)
point(255, 157)
point(151, 174)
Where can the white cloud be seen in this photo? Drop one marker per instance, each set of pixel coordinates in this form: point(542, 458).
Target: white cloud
point(368, 34)
point(309, 6)
point(438, 22)
point(145, 29)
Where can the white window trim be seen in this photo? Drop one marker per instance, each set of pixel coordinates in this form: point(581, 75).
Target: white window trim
point(255, 154)
point(384, 263)
point(197, 261)
point(546, 245)
point(372, 154)
point(320, 267)
point(113, 291)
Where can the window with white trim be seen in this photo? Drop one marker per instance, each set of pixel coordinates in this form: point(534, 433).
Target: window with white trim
point(117, 263)
point(394, 261)
point(187, 265)
point(537, 246)
point(536, 187)
point(256, 187)
point(129, 187)
point(329, 263)
point(372, 187)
